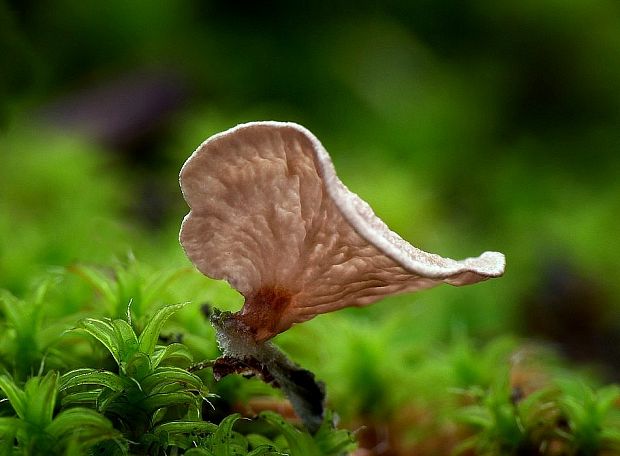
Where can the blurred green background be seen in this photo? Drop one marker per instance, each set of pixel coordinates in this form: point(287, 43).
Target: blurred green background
point(468, 126)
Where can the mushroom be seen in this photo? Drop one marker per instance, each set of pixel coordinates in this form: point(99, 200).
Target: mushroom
point(270, 216)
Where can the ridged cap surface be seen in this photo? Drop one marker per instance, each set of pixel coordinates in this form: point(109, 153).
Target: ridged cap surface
point(270, 216)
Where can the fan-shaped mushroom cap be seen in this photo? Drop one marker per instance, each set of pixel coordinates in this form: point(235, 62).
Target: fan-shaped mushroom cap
point(270, 216)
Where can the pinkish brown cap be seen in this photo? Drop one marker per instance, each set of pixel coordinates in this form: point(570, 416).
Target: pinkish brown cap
point(270, 216)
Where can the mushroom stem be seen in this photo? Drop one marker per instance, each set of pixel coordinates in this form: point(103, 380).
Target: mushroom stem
point(236, 340)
